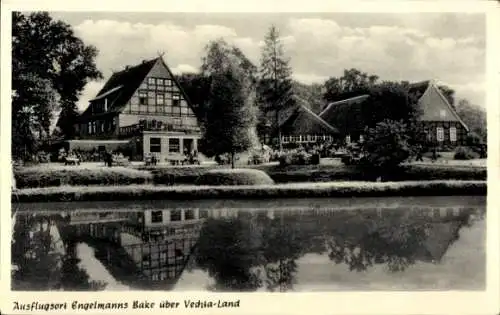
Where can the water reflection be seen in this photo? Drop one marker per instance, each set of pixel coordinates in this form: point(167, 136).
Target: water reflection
point(243, 250)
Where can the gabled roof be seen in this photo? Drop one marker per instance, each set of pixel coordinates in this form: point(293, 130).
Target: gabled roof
point(121, 85)
point(327, 113)
point(435, 106)
point(303, 121)
point(129, 79)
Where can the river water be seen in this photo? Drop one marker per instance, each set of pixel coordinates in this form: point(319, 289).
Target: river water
point(421, 243)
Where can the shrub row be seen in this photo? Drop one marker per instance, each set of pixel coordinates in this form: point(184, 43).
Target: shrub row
point(39, 177)
point(228, 177)
point(351, 189)
point(76, 176)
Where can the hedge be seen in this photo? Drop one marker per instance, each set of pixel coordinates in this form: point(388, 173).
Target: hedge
point(238, 176)
point(327, 173)
point(305, 190)
point(77, 176)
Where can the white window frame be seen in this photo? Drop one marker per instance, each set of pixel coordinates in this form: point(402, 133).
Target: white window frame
point(453, 134)
point(440, 134)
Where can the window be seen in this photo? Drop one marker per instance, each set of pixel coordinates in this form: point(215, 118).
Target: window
point(175, 215)
point(102, 126)
point(160, 99)
point(453, 134)
point(160, 82)
point(94, 125)
point(176, 99)
point(168, 82)
point(156, 216)
point(155, 145)
point(440, 134)
point(90, 128)
point(174, 145)
point(442, 113)
point(143, 98)
point(203, 214)
point(151, 81)
point(189, 214)
point(176, 111)
point(347, 139)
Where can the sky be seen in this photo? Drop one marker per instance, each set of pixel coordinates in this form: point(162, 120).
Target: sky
point(447, 47)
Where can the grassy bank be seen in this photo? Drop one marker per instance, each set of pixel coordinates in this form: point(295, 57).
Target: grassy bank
point(326, 173)
point(34, 177)
point(39, 177)
point(305, 190)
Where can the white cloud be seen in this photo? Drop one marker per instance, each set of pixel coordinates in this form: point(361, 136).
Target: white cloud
point(309, 78)
point(183, 68)
point(392, 52)
point(318, 48)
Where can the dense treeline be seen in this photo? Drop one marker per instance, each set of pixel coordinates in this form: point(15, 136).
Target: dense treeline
point(53, 83)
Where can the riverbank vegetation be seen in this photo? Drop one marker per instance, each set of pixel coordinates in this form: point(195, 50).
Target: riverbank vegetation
point(39, 177)
point(304, 190)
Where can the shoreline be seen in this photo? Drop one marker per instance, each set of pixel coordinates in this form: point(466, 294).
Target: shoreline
point(278, 191)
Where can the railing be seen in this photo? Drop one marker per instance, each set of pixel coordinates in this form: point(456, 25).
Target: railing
point(137, 128)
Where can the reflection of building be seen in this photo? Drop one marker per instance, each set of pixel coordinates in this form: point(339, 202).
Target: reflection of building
point(160, 242)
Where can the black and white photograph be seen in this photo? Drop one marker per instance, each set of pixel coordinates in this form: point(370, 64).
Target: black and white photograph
point(247, 152)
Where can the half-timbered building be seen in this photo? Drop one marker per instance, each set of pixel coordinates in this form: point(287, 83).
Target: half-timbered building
point(303, 126)
point(146, 105)
point(438, 118)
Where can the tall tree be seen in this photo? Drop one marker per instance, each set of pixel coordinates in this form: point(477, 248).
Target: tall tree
point(353, 82)
point(474, 117)
point(231, 112)
point(275, 85)
point(33, 100)
point(197, 88)
point(50, 50)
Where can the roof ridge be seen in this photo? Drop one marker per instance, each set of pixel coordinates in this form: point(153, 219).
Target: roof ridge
point(341, 101)
point(321, 120)
point(130, 67)
point(432, 84)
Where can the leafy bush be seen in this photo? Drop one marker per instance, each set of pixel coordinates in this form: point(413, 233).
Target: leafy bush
point(224, 177)
point(295, 158)
point(386, 145)
point(75, 176)
point(256, 158)
point(464, 153)
point(285, 159)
